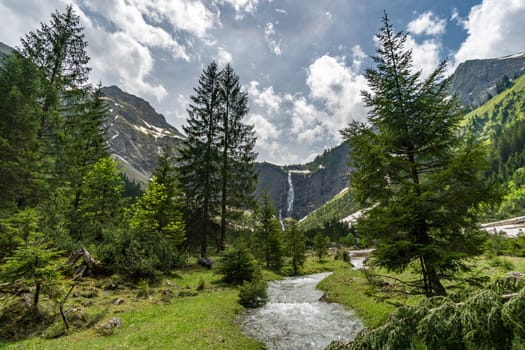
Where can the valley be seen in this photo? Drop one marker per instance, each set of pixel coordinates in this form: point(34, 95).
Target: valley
point(119, 230)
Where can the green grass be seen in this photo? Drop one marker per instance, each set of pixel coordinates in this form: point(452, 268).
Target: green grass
point(210, 318)
point(207, 320)
point(336, 208)
point(488, 113)
point(351, 288)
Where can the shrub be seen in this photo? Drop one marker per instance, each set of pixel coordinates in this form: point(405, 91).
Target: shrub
point(253, 294)
point(343, 255)
point(237, 265)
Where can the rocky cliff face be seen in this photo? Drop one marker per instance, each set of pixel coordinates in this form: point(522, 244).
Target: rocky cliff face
point(476, 81)
point(297, 190)
point(137, 133)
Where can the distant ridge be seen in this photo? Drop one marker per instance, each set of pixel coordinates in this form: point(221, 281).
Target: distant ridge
point(5, 49)
point(477, 81)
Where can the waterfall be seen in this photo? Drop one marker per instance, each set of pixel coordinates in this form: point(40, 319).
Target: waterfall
point(291, 194)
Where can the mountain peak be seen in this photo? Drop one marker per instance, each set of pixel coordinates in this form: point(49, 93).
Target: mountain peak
point(137, 133)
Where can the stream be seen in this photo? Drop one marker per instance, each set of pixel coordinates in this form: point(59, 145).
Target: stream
point(294, 318)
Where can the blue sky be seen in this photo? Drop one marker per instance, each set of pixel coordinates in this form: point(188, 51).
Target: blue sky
point(301, 61)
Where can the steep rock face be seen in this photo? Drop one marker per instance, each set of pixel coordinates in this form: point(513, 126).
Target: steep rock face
point(137, 133)
point(313, 183)
point(476, 81)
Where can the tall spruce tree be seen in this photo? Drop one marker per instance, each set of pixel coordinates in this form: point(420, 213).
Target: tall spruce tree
point(20, 90)
point(58, 49)
point(412, 162)
point(269, 242)
point(236, 146)
point(199, 158)
point(295, 245)
point(217, 156)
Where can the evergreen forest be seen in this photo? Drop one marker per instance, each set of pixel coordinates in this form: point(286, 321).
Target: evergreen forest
point(91, 259)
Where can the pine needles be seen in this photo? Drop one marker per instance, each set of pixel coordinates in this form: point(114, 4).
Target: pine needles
point(491, 318)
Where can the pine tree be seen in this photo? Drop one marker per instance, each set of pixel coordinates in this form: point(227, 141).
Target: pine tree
point(158, 225)
point(268, 233)
point(295, 245)
point(20, 89)
point(99, 209)
point(84, 144)
point(58, 49)
point(320, 245)
point(34, 262)
point(236, 146)
point(412, 162)
point(217, 156)
point(199, 158)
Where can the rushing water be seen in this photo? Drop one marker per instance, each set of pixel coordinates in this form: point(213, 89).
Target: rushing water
point(294, 318)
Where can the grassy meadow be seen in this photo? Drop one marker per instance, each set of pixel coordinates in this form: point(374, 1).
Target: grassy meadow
point(193, 309)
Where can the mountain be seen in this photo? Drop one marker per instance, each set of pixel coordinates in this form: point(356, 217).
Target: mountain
point(137, 133)
point(4, 49)
point(296, 190)
point(477, 81)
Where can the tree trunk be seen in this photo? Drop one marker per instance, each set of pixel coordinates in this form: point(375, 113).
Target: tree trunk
point(204, 231)
point(432, 284)
point(435, 284)
point(36, 299)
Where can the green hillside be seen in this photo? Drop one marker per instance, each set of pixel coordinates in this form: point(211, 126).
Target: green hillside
point(499, 113)
point(500, 123)
point(336, 209)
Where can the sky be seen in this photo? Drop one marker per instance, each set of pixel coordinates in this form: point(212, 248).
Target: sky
point(300, 61)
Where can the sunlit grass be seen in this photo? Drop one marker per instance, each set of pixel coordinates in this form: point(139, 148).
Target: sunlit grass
point(164, 320)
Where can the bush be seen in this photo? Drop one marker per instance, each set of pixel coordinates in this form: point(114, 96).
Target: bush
point(343, 255)
point(348, 240)
point(253, 294)
point(237, 265)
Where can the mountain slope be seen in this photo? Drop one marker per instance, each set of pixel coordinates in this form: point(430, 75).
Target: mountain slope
point(477, 81)
point(5, 49)
point(500, 112)
point(137, 133)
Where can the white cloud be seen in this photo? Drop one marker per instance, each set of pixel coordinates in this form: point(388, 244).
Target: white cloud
point(264, 129)
point(495, 28)
point(241, 6)
point(129, 18)
point(269, 35)
point(427, 23)
point(305, 115)
point(358, 56)
point(339, 88)
point(127, 64)
point(188, 15)
point(456, 18)
point(265, 98)
point(223, 56)
point(426, 55)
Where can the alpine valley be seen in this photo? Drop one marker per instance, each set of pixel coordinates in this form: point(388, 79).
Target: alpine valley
point(137, 134)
